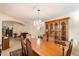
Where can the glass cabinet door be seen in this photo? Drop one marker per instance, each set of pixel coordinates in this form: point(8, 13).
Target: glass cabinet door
point(51, 28)
point(56, 33)
point(63, 31)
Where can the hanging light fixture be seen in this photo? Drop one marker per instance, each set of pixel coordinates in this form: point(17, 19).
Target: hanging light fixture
point(38, 23)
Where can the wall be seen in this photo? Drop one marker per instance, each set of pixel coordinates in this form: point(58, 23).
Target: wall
point(18, 25)
point(5, 17)
point(17, 28)
point(33, 29)
point(74, 30)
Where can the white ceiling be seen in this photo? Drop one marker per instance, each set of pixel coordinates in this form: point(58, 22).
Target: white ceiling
point(28, 11)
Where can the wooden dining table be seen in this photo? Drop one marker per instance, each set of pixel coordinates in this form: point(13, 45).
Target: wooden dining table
point(46, 48)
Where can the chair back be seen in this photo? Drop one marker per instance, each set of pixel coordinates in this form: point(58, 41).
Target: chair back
point(70, 48)
point(29, 47)
point(24, 50)
point(24, 34)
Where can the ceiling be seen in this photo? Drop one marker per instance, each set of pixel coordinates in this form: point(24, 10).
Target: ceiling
point(28, 11)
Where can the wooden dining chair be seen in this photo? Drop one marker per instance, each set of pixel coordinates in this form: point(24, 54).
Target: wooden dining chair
point(0, 52)
point(67, 51)
point(29, 48)
point(70, 48)
point(24, 49)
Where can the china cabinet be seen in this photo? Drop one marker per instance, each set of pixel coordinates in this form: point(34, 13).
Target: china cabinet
point(57, 28)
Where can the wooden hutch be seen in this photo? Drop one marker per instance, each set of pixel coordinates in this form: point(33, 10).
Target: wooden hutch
point(57, 28)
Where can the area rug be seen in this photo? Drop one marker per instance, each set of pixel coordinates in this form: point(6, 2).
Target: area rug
point(17, 52)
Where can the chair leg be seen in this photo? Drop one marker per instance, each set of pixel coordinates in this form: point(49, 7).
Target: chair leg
point(63, 50)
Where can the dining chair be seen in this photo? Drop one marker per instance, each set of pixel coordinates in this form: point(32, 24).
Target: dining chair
point(29, 47)
point(23, 45)
point(0, 52)
point(67, 49)
point(70, 48)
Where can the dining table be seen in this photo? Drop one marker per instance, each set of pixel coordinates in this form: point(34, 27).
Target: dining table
point(46, 48)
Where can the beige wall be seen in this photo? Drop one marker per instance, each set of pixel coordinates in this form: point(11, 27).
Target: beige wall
point(74, 30)
point(17, 24)
point(17, 28)
point(74, 26)
point(5, 17)
point(34, 31)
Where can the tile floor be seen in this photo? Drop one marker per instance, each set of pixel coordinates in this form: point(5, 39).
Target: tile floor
point(14, 45)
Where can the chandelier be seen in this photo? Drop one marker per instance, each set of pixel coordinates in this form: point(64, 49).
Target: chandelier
point(38, 23)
